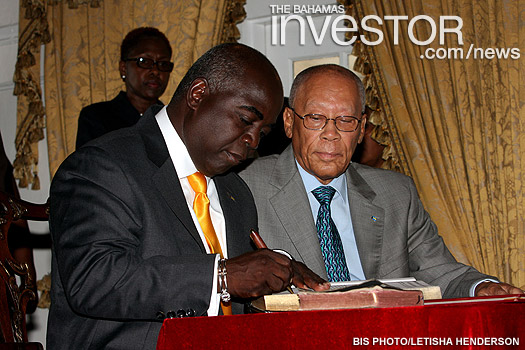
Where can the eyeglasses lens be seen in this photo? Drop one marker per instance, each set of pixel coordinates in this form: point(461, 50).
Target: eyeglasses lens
point(148, 63)
point(343, 123)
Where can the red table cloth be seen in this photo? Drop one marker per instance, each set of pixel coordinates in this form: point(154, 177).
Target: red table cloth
point(473, 325)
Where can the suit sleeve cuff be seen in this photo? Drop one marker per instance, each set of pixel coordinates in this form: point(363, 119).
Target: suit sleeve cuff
point(473, 288)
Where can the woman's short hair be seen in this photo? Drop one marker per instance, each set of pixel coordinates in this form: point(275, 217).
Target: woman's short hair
point(134, 37)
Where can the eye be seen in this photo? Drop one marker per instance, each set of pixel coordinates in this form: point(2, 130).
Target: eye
point(246, 120)
point(145, 62)
point(348, 120)
point(265, 132)
point(315, 117)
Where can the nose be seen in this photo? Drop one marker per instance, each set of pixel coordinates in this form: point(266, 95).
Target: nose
point(330, 132)
point(251, 139)
point(154, 69)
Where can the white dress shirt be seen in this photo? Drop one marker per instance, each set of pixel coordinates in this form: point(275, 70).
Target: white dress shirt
point(184, 166)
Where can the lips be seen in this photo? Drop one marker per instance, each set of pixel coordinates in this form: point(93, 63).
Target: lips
point(155, 84)
point(328, 155)
point(236, 158)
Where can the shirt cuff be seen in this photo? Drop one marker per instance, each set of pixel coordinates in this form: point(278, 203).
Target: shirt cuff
point(284, 252)
point(473, 288)
point(215, 301)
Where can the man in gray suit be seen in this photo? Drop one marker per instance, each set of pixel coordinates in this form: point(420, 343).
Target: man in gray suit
point(345, 220)
point(129, 245)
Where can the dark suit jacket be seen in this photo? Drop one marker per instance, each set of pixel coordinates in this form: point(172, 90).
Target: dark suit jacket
point(124, 244)
point(100, 118)
point(402, 241)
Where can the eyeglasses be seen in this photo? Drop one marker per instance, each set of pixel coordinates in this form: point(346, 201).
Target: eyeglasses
point(318, 121)
point(148, 63)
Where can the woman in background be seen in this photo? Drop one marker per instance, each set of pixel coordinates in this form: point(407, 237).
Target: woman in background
point(145, 66)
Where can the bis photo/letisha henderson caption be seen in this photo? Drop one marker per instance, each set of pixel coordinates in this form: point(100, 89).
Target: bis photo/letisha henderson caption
point(436, 341)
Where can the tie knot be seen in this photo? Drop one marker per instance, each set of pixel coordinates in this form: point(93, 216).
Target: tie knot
point(198, 182)
point(324, 194)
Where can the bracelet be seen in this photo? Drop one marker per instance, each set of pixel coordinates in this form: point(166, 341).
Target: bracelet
point(284, 252)
point(223, 283)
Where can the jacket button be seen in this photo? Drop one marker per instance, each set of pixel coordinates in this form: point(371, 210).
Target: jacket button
point(171, 314)
point(190, 313)
point(181, 313)
point(160, 315)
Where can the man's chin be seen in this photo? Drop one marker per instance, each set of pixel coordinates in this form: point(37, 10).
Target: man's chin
point(219, 169)
point(325, 176)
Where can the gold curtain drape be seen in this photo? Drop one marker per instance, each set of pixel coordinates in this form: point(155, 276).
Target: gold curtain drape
point(81, 60)
point(30, 109)
point(459, 124)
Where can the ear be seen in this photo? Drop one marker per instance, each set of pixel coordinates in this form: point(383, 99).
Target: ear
point(198, 90)
point(362, 128)
point(122, 68)
point(288, 119)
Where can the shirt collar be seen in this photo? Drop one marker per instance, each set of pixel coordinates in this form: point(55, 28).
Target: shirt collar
point(310, 182)
point(177, 149)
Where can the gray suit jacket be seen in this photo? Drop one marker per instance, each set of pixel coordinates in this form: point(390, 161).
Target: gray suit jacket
point(402, 241)
point(125, 248)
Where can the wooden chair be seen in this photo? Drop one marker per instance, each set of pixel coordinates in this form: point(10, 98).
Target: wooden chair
point(17, 282)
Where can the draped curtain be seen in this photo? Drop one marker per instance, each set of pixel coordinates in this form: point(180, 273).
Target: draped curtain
point(457, 126)
point(33, 32)
point(81, 60)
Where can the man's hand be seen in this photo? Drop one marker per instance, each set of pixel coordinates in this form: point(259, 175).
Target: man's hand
point(263, 272)
point(492, 288)
point(305, 278)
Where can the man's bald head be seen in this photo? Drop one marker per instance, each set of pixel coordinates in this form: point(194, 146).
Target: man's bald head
point(302, 77)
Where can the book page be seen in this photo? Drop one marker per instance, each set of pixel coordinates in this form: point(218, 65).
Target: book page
point(404, 283)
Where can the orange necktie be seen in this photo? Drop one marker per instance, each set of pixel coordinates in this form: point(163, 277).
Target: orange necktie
point(201, 206)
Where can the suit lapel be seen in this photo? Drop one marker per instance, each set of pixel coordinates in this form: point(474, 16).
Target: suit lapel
point(232, 214)
point(367, 221)
point(168, 184)
point(293, 209)
point(165, 179)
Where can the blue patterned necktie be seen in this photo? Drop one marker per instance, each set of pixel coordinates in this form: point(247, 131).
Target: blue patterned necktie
point(329, 239)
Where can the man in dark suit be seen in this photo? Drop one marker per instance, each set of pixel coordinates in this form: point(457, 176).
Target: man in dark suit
point(381, 228)
point(130, 242)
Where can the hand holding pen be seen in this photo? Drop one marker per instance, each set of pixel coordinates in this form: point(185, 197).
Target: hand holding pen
point(302, 277)
point(264, 271)
point(259, 243)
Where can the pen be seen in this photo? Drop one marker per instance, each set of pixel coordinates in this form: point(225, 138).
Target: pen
point(259, 243)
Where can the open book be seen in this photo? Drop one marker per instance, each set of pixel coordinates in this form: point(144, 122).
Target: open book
point(349, 295)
